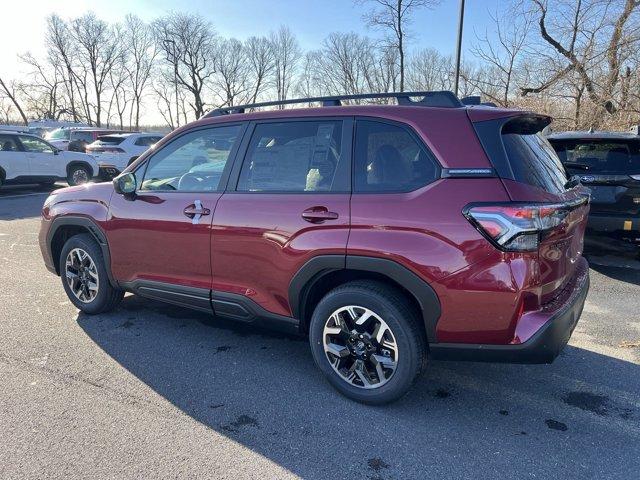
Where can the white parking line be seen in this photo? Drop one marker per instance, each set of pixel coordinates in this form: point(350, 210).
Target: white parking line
point(24, 195)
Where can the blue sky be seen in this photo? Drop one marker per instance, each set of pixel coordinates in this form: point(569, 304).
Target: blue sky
point(24, 22)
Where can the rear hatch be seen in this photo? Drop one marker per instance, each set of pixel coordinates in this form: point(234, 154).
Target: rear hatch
point(544, 202)
point(609, 167)
point(106, 144)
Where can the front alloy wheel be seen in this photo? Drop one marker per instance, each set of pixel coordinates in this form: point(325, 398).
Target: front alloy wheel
point(82, 275)
point(360, 347)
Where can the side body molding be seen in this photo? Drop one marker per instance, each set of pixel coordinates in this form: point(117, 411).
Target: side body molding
point(317, 267)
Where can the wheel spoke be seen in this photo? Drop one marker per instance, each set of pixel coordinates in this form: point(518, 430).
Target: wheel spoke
point(362, 374)
point(364, 317)
point(339, 351)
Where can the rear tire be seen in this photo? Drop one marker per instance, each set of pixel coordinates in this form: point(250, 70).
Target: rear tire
point(400, 352)
point(84, 276)
point(77, 175)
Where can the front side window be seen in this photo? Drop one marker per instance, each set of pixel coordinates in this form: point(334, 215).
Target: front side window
point(59, 134)
point(82, 136)
point(297, 156)
point(389, 159)
point(193, 162)
point(32, 144)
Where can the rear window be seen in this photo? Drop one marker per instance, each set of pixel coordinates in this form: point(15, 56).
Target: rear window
point(111, 140)
point(59, 134)
point(534, 162)
point(80, 135)
point(604, 157)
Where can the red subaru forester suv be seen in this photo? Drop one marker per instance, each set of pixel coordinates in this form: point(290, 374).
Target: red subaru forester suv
point(386, 233)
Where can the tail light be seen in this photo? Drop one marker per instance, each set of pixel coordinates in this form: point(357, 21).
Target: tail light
point(517, 227)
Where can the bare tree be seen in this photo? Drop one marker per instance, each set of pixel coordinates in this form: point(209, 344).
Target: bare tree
point(188, 42)
point(501, 52)
point(393, 17)
point(99, 49)
point(428, 69)
point(141, 51)
point(9, 90)
point(232, 72)
point(261, 63)
point(593, 38)
point(287, 53)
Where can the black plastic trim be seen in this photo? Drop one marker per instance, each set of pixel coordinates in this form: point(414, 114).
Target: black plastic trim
point(95, 231)
point(241, 308)
point(184, 296)
point(317, 267)
point(543, 347)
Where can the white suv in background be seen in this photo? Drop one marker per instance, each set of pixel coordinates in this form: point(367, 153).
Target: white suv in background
point(114, 152)
point(26, 158)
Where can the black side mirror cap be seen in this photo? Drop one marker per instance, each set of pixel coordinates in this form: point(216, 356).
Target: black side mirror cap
point(125, 183)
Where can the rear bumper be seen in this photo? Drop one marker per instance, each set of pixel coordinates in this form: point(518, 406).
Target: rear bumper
point(543, 346)
point(602, 223)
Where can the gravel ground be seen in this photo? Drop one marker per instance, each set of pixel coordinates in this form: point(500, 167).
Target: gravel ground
point(152, 390)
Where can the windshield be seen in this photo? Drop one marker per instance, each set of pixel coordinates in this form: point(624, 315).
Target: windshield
point(610, 157)
point(58, 134)
point(534, 161)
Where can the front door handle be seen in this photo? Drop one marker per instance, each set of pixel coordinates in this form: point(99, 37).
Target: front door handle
point(195, 211)
point(318, 214)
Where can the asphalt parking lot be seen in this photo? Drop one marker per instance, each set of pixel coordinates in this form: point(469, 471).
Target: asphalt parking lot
point(152, 390)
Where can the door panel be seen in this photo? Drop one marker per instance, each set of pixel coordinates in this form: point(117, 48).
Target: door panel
point(291, 203)
point(150, 237)
point(162, 233)
point(260, 241)
point(42, 160)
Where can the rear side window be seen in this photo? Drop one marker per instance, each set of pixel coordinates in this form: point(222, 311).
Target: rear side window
point(604, 157)
point(8, 143)
point(534, 162)
point(147, 141)
point(298, 156)
point(389, 159)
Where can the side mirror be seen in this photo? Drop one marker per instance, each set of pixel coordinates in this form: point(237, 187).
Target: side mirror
point(125, 184)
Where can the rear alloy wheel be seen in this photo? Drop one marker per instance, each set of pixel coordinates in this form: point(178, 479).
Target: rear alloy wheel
point(368, 341)
point(78, 175)
point(360, 347)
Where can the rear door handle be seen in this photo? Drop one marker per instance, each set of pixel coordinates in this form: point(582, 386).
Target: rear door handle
point(195, 211)
point(318, 214)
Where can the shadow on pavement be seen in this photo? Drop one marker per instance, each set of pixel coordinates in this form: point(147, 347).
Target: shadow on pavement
point(461, 419)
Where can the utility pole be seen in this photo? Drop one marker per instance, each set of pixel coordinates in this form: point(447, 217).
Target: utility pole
point(167, 42)
point(459, 47)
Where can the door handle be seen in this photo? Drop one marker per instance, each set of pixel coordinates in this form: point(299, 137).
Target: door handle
point(318, 214)
point(195, 211)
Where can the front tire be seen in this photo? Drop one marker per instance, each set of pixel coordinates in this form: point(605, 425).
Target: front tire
point(84, 276)
point(367, 340)
point(77, 175)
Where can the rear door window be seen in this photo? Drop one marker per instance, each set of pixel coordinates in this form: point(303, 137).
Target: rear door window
point(388, 158)
point(8, 143)
point(534, 162)
point(601, 157)
point(295, 156)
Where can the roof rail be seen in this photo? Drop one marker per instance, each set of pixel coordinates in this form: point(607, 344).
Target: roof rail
point(443, 99)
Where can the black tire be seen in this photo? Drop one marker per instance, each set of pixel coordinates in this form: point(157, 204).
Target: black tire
point(78, 170)
point(391, 305)
point(107, 297)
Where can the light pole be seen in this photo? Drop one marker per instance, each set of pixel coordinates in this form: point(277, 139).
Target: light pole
point(170, 42)
point(459, 47)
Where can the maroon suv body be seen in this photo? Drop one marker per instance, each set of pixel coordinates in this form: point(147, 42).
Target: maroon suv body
point(454, 221)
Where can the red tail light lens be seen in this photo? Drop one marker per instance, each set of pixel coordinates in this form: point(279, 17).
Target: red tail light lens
point(516, 227)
